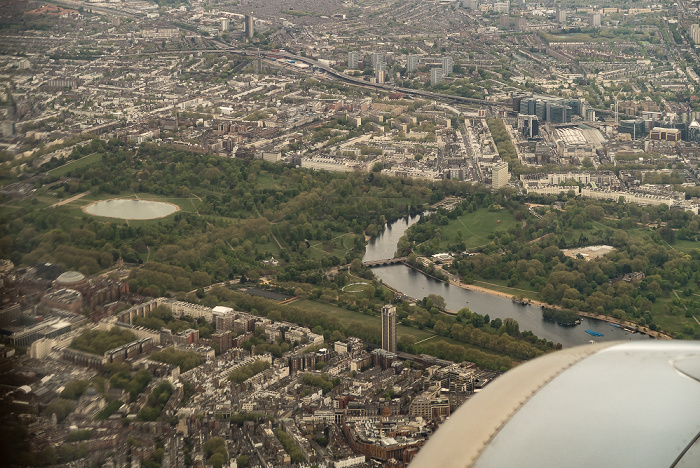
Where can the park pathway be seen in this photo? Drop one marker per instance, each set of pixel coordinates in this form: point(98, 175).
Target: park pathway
point(71, 199)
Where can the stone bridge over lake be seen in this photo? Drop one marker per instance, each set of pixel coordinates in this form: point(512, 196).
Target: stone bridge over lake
point(384, 262)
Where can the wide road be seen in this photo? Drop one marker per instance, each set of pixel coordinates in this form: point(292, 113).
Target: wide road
point(92, 7)
point(359, 81)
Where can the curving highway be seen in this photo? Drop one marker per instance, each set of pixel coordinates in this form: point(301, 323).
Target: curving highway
point(360, 82)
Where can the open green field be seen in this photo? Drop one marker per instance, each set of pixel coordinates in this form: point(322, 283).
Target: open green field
point(522, 289)
point(270, 247)
point(685, 245)
point(350, 316)
point(74, 208)
point(475, 227)
point(673, 324)
point(402, 330)
point(573, 37)
point(356, 288)
point(436, 338)
point(337, 246)
point(77, 164)
point(643, 232)
point(266, 180)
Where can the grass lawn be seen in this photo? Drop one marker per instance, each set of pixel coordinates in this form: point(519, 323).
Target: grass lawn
point(77, 164)
point(266, 180)
point(29, 204)
point(343, 314)
point(74, 211)
point(468, 346)
point(270, 247)
point(74, 208)
point(357, 288)
point(523, 288)
point(639, 233)
point(475, 227)
point(402, 330)
point(350, 316)
point(341, 244)
point(572, 37)
point(685, 245)
point(670, 323)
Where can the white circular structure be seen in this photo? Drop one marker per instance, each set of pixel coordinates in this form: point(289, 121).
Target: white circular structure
point(70, 277)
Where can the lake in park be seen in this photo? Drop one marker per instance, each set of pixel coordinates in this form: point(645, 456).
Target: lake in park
point(415, 284)
point(131, 209)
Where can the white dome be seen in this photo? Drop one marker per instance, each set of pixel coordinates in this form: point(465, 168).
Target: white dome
point(70, 277)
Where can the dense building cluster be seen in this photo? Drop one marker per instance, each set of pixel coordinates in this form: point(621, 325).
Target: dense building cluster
point(551, 100)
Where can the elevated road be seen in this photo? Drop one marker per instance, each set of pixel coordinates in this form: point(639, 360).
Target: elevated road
point(92, 7)
point(360, 82)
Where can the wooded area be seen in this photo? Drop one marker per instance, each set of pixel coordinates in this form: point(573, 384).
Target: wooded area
point(235, 214)
point(660, 245)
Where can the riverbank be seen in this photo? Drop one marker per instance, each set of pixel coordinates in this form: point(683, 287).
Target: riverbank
point(444, 280)
point(492, 292)
point(605, 318)
point(479, 297)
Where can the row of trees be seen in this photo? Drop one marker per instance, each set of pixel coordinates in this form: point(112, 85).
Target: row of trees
point(503, 143)
point(162, 317)
point(185, 360)
point(109, 409)
point(322, 381)
point(518, 345)
point(243, 373)
point(562, 317)
point(120, 377)
point(156, 402)
point(295, 453)
point(100, 341)
point(74, 389)
point(215, 451)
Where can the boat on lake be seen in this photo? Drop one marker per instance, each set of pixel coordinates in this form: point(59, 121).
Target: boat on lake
point(594, 333)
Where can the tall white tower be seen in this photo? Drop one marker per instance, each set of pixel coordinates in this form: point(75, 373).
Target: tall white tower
point(412, 63)
point(249, 26)
point(499, 175)
point(353, 59)
point(447, 64)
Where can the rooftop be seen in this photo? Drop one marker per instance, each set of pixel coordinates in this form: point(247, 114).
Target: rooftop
point(70, 277)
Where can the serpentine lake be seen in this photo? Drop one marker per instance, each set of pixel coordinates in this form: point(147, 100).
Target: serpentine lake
point(415, 284)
